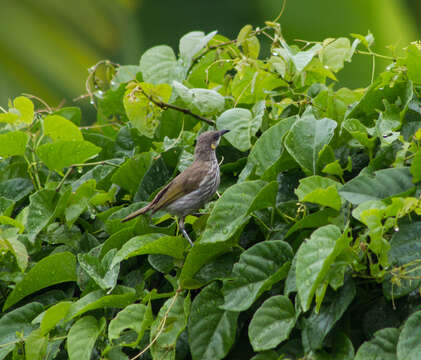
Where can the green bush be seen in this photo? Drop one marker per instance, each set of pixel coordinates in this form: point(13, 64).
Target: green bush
point(313, 250)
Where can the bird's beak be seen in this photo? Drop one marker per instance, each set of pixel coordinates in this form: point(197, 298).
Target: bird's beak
point(222, 132)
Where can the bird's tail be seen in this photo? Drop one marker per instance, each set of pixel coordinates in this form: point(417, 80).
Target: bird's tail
point(137, 213)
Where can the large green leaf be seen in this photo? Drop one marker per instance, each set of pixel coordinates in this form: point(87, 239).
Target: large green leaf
point(53, 315)
point(36, 345)
point(18, 321)
point(192, 43)
point(175, 311)
point(231, 211)
point(15, 189)
point(51, 270)
point(383, 184)
point(318, 325)
point(61, 154)
point(239, 122)
point(405, 247)
point(200, 101)
point(22, 111)
point(314, 258)
point(319, 190)
point(199, 255)
point(59, 128)
point(159, 66)
point(152, 244)
point(137, 317)
point(99, 269)
point(40, 211)
point(258, 269)
point(99, 299)
point(272, 323)
point(13, 143)
point(336, 53)
point(307, 138)
point(266, 154)
point(409, 346)
point(382, 346)
point(211, 329)
point(142, 113)
point(82, 337)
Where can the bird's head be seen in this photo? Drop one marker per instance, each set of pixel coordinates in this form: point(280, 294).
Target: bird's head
point(207, 143)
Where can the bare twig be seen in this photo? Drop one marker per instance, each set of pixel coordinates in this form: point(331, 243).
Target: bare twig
point(164, 105)
point(161, 326)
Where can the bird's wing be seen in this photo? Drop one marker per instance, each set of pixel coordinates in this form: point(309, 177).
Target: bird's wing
point(186, 182)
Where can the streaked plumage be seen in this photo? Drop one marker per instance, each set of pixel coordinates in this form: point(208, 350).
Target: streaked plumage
point(194, 187)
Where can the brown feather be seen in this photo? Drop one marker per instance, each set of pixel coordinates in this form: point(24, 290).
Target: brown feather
point(184, 183)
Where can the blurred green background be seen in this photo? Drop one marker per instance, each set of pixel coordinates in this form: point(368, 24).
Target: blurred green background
point(46, 46)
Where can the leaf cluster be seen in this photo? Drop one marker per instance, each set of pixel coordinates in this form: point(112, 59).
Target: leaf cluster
point(312, 251)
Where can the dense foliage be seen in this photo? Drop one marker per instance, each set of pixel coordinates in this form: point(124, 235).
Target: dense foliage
point(311, 252)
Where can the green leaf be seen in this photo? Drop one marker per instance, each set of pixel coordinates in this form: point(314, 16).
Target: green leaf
point(142, 113)
point(416, 167)
point(373, 100)
point(176, 312)
point(405, 247)
point(302, 58)
point(266, 154)
point(272, 323)
point(318, 325)
point(314, 258)
point(78, 201)
point(200, 101)
point(239, 122)
point(251, 85)
point(13, 143)
point(211, 329)
point(82, 337)
point(124, 74)
point(159, 66)
point(61, 154)
point(104, 275)
point(36, 345)
point(99, 299)
point(199, 255)
point(53, 315)
point(336, 53)
point(307, 138)
point(137, 317)
point(18, 321)
point(152, 244)
point(9, 242)
point(319, 190)
point(15, 189)
point(382, 346)
point(409, 346)
point(314, 220)
point(129, 174)
point(51, 270)
point(413, 61)
point(259, 267)
point(359, 132)
point(385, 183)
point(223, 221)
point(40, 211)
point(192, 43)
point(22, 111)
point(71, 113)
point(59, 128)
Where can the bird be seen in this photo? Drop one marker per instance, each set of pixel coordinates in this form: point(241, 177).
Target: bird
point(193, 187)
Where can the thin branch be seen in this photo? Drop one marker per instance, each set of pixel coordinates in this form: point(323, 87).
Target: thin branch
point(48, 107)
point(71, 167)
point(282, 11)
point(163, 105)
point(161, 326)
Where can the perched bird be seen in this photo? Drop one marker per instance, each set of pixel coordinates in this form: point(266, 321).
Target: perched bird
point(192, 188)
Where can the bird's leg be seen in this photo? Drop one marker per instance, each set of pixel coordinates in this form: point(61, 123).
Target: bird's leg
point(183, 230)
